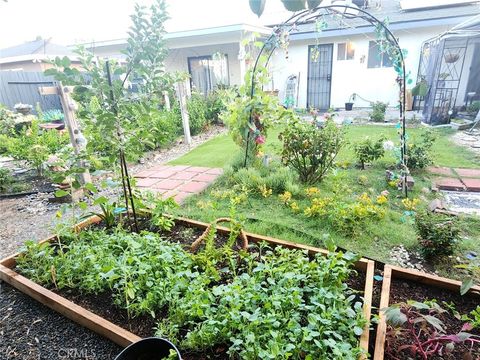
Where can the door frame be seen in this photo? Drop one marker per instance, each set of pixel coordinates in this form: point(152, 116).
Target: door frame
point(310, 47)
point(209, 58)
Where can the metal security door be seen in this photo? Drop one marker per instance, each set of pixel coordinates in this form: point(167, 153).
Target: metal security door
point(319, 79)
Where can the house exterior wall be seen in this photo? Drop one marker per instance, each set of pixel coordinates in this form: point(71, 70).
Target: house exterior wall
point(177, 59)
point(351, 76)
point(22, 66)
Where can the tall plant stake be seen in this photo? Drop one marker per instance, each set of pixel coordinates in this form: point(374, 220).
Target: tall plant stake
point(127, 189)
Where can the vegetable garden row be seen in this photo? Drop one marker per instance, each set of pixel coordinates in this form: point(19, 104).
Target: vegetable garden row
point(242, 295)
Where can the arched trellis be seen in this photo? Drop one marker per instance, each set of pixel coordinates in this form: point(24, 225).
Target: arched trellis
point(348, 12)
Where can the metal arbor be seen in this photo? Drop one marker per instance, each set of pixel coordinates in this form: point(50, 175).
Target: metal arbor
point(388, 42)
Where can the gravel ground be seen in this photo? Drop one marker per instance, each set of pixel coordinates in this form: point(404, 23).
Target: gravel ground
point(29, 330)
point(32, 217)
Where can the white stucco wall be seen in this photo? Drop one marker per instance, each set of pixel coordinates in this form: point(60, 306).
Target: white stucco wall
point(177, 59)
point(352, 76)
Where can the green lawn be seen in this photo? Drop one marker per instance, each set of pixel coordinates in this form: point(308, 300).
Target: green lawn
point(218, 151)
point(269, 216)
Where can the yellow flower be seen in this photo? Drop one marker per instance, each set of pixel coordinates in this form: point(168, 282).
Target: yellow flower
point(365, 199)
point(295, 206)
point(381, 199)
point(393, 183)
point(285, 197)
point(266, 192)
point(410, 205)
point(311, 191)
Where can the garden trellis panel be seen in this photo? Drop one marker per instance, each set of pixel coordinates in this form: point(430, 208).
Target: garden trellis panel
point(22, 87)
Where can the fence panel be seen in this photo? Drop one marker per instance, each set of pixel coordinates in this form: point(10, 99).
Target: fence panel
point(22, 87)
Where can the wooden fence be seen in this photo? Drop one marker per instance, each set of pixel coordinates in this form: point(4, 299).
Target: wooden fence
point(22, 87)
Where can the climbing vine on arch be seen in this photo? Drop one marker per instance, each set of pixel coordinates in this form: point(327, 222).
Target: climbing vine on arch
point(313, 12)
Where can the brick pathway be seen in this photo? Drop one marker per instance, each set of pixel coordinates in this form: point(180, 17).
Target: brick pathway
point(178, 181)
point(456, 179)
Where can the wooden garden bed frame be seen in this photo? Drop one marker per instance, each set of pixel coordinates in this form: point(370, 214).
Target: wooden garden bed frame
point(123, 337)
point(394, 272)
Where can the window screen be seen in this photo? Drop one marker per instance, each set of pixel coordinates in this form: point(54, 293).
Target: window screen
point(376, 57)
point(345, 51)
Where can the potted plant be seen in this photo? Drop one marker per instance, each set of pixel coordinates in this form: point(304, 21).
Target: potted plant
point(54, 116)
point(349, 104)
point(23, 109)
point(451, 58)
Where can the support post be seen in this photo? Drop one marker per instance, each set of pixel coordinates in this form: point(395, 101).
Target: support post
point(182, 99)
point(167, 100)
point(77, 139)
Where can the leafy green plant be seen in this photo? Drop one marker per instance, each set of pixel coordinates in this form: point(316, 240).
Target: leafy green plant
point(369, 150)
point(5, 179)
point(35, 145)
point(473, 270)
point(419, 154)
point(273, 307)
point(197, 112)
point(378, 111)
point(474, 108)
point(473, 318)
point(437, 233)
point(51, 115)
point(417, 329)
point(249, 117)
point(123, 115)
point(310, 150)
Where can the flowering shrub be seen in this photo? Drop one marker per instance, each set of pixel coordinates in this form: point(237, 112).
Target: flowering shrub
point(309, 150)
point(369, 150)
point(410, 204)
point(347, 217)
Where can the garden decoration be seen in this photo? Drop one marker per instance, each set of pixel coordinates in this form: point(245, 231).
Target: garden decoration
point(385, 38)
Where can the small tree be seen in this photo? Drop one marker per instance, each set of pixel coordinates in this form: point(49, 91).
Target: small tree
point(369, 150)
point(310, 150)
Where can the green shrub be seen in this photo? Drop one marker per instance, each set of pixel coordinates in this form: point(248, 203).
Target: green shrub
point(35, 145)
point(310, 150)
point(474, 108)
point(419, 152)
point(369, 150)
point(216, 104)
point(5, 179)
point(378, 111)
point(274, 177)
point(437, 233)
point(197, 112)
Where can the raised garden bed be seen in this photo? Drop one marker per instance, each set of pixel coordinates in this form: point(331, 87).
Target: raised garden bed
point(404, 285)
point(119, 334)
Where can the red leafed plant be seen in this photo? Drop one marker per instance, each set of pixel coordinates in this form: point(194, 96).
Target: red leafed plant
point(417, 329)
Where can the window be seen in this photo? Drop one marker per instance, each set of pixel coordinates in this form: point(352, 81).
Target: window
point(377, 58)
point(345, 51)
point(208, 72)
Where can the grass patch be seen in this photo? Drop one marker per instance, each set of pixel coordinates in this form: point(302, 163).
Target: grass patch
point(269, 216)
point(218, 151)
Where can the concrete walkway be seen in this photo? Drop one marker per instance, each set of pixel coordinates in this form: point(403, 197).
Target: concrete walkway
point(456, 179)
point(179, 181)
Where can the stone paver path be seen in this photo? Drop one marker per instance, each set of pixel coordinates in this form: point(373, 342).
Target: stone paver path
point(456, 179)
point(179, 181)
